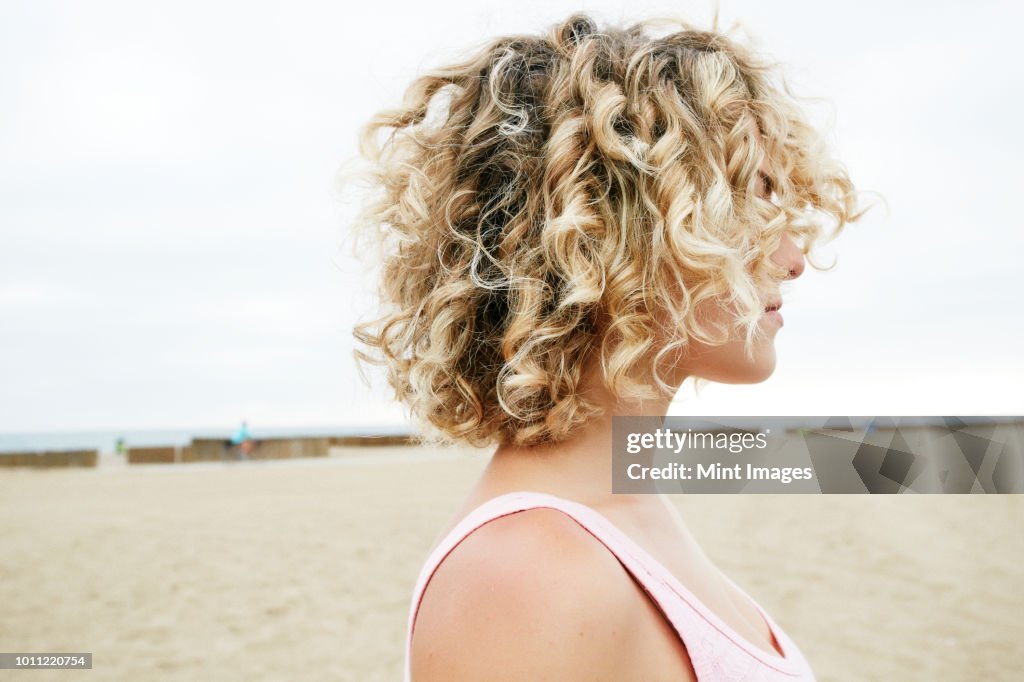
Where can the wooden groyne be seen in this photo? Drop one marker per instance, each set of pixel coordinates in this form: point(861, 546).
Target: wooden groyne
point(50, 458)
point(206, 450)
point(349, 441)
point(155, 455)
point(222, 450)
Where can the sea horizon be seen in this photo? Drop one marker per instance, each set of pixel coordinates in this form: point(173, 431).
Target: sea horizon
point(105, 440)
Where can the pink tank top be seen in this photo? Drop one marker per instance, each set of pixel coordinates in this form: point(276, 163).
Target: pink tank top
point(717, 652)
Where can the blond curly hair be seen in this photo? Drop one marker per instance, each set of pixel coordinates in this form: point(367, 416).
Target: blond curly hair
point(544, 199)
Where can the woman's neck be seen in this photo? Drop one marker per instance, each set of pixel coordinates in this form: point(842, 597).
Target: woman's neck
point(578, 468)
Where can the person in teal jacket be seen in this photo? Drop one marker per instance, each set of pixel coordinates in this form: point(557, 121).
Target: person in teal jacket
point(243, 439)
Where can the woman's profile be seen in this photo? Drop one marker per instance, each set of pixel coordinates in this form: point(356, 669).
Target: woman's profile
point(571, 224)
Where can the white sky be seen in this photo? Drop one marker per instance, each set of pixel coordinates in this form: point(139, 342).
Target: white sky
point(173, 247)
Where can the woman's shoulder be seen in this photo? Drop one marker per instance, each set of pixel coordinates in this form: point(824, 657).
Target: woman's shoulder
point(533, 595)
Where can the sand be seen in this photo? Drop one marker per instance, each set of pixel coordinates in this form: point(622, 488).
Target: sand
point(302, 570)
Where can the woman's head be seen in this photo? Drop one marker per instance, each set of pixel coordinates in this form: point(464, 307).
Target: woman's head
point(587, 194)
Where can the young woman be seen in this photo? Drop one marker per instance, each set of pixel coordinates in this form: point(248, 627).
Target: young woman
point(573, 224)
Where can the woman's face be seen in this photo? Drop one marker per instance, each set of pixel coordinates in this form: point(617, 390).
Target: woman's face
point(728, 363)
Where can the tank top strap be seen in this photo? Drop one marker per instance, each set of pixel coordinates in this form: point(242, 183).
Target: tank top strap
point(703, 642)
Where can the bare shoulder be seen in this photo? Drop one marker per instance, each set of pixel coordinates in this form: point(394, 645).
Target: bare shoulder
point(531, 595)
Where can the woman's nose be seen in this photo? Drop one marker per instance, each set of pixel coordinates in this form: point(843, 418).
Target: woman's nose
point(789, 256)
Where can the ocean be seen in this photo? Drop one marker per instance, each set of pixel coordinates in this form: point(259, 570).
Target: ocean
point(105, 440)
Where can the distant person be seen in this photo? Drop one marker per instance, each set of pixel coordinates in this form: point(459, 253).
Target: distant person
point(243, 440)
point(119, 447)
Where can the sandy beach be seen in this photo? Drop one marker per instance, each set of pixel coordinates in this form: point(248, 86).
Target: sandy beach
point(302, 569)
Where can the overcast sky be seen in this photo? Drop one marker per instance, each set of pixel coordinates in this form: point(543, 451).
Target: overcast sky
point(174, 250)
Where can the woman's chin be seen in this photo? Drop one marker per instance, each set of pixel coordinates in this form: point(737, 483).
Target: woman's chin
point(746, 371)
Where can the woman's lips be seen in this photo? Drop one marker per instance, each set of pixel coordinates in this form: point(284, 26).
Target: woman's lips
point(772, 312)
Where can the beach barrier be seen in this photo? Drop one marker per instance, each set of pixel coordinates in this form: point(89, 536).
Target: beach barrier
point(50, 458)
point(347, 441)
point(155, 455)
point(220, 450)
point(210, 450)
point(287, 448)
